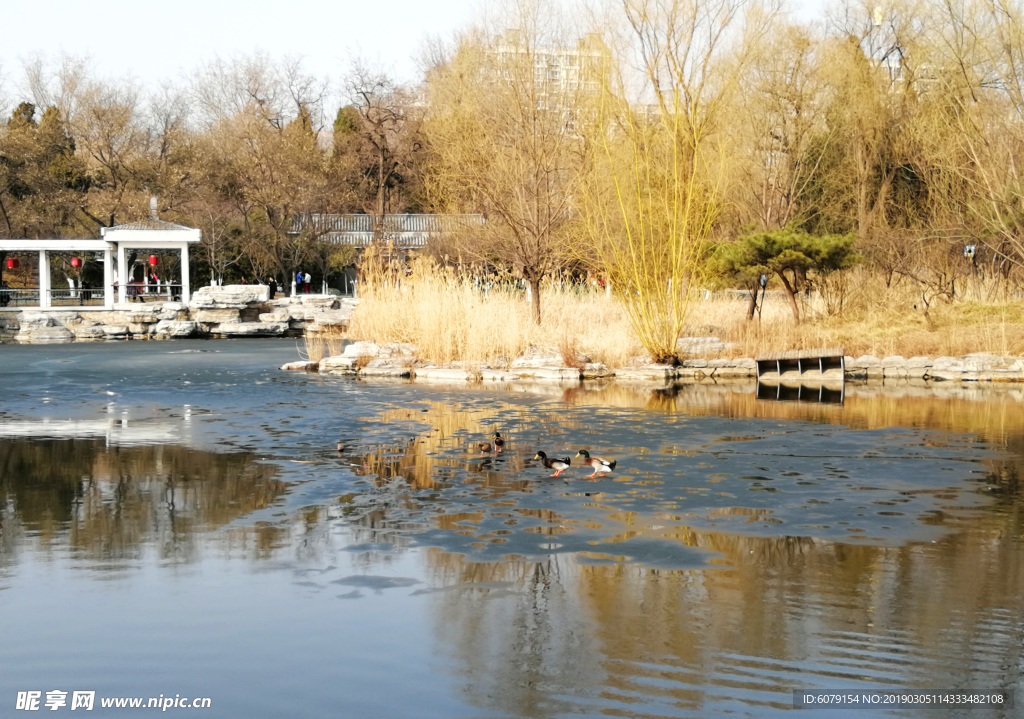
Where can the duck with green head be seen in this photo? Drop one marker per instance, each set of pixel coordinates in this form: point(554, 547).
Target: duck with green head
point(559, 464)
point(596, 463)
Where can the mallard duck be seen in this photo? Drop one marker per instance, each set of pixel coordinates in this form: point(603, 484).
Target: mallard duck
point(496, 443)
point(598, 464)
point(556, 463)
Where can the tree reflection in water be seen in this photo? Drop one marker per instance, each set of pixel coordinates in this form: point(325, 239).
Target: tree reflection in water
point(112, 502)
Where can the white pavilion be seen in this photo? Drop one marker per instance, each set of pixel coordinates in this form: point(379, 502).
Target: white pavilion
point(115, 245)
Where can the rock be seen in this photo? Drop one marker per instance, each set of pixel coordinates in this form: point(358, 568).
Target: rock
point(115, 332)
point(36, 319)
point(340, 364)
point(43, 334)
point(647, 373)
point(395, 349)
point(332, 317)
point(361, 349)
point(386, 367)
point(535, 358)
point(175, 329)
point(250, 329)
point(946, 363)
point(88, 333)
point(301, 365)
point(172, 313)
point(277, 315)
point(448, 374)
point(553, 373)
point(140, 318)
point(228, 296)
point(323, 302)
point(985, 362)
point(733, 370)
point(497, 375)
point(899, 371)
point(695, 363)
point(216, 316)
point(596, 370)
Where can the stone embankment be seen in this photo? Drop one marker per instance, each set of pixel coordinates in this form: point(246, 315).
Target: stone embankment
point(228, 311)
point(368, 359)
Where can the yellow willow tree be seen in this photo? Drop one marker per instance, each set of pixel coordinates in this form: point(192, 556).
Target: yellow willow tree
point(502, 134)
point(658, 181)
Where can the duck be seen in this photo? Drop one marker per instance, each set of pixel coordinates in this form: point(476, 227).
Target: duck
point(496, 443)
point(598, 464)
point(559, 464)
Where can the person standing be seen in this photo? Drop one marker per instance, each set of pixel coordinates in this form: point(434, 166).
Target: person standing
point(307, 279)
point(272, 283)
point(298, 282)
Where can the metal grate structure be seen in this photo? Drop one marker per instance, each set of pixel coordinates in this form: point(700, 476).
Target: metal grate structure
point(406, 231)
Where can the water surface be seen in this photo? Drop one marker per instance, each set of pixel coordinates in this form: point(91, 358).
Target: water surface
point(176, 519)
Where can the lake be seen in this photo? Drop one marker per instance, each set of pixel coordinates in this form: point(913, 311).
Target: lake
point(181, 520)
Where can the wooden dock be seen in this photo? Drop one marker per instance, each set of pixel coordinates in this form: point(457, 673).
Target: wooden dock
point(820, 365)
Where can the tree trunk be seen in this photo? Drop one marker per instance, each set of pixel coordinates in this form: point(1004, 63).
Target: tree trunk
point(792, 296)
point(535, 299)
point(752, 305)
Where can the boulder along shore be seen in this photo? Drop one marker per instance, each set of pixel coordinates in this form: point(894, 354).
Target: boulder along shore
point(228, 311)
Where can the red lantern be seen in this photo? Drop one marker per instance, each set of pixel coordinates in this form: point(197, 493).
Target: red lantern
point(12, 263)
point(152, 260)
point(76, 261)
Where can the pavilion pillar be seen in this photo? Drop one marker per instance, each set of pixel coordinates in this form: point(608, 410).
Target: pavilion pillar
point(108, 278)
point(122, 275)
point(185, 275)
point(44, 278)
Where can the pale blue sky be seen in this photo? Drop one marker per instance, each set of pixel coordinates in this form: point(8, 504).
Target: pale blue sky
point(162, 40)
point(166, 40)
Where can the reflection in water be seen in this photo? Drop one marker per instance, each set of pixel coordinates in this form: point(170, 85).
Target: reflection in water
point(742, 549)
point(817, 392)
point(112, 502)
point(581, 631)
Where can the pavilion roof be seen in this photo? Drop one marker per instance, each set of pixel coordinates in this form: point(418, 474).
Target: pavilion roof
point(149, 224)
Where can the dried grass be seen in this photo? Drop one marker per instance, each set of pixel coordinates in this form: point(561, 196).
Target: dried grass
point(877, 320)
point(450, 319)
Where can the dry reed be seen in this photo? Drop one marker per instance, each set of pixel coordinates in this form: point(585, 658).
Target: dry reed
point(452, 319)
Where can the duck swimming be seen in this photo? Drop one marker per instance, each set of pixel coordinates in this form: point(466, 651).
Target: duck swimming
point(559, 464)
point(598, 464)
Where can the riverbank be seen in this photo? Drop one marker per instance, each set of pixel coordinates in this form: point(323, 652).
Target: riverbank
point(228, 311)
point(369, 359)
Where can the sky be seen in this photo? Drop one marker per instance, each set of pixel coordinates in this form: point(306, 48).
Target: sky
point(167, 41)
point(159, 41)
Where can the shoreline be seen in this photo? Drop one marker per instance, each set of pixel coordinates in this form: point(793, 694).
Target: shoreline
point(368, 359)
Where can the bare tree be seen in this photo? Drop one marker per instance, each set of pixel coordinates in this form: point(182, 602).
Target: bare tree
point(378, 137)
point(504, 141)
